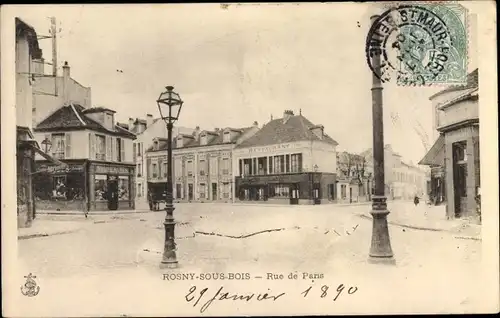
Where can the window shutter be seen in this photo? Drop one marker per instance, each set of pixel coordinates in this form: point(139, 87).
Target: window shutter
point(68, 146)
point(92, 150)
point(108, 148)
point(134, 153)
point(122, 149)
point(148, 168)
point(114, 155)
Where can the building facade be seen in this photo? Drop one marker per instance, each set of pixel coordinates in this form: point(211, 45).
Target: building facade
point(354, 179)
point(27, 52)
point(288, 161)
point(403, 181)
point(146, 131)
point(99, 173)
point(202, 164)
point(455, 156)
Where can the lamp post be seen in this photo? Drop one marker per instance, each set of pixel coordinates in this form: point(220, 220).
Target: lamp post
point(380, 250)
point(47, 144)
point(169, 105)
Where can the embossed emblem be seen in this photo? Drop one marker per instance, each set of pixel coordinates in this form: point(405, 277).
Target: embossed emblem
point(30, 288)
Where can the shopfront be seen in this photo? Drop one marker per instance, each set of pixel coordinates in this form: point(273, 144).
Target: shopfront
point(84, 185)
point(297, 188)
point(111, 186)
point(61, 188)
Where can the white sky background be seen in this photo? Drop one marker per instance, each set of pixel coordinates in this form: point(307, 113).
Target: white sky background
point(235, 66)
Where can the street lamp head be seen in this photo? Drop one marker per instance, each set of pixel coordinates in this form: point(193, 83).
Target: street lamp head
point(47, 143)
point(169, 104)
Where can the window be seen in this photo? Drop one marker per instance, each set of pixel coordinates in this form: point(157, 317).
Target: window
point(246, 166)
point(190, 168)
point(155, 170)
point(203, 139)
point(296, 161)
point(119, 150)
point(165, 169)
point(331, 191)
point(270, 165)
point(58, 145)
point(202, 167)
point(100, 147)
point(139, 170)
point(225, 166)
point(279, 164)
point(59, 187)
point(139, 149)
point(287, 163)
point(225, 190)
point(202, 191)
point(227, 136)
point(343, 191)
point(139, 190)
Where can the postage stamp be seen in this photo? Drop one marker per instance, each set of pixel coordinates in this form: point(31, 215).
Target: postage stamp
point(420, 44)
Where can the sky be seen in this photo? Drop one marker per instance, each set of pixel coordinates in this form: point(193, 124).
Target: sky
point(236, 66)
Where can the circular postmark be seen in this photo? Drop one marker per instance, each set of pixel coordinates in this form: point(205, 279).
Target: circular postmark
point(410, 44)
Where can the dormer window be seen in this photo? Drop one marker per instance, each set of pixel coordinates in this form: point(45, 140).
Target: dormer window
point(227, 136)
point(180, 143)
point(203, 139)
point(156, 145)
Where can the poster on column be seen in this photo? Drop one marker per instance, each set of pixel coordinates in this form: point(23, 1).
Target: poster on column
point(327, 159)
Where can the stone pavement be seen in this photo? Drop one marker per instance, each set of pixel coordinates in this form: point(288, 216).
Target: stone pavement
point(41, 228)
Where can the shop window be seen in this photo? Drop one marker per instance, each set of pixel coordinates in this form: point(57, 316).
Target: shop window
point(123, 188)
point(58, 145)
point(279, 191)
point(100, 188)
point(178, 191)
point(59, 188)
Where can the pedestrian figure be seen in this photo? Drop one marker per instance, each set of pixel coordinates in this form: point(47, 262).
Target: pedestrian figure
point(416, 200)
point(150, 201)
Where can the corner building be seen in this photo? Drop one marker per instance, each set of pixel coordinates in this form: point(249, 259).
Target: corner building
point(288, 161)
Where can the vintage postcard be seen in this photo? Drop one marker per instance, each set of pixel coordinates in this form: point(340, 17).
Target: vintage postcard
point(249, 159)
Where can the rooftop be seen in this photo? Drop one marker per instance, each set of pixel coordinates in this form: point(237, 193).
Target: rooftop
point(283, 130)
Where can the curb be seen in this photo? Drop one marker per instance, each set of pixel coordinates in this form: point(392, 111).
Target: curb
point(37, 235)
point(363, 216)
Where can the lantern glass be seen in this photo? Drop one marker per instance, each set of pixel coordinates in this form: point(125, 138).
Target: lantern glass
point(169, 105)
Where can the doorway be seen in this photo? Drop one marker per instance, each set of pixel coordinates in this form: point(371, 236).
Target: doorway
point(214, 191)
point(294, 194)
point(112, 193)
point(460, 177)
point(317, 193)
point(190, 191)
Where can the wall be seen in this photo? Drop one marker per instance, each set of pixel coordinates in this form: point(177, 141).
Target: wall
point(24, 101)
point(45, 103)
point(458, 112)
point(324, 156)
point(80, 147)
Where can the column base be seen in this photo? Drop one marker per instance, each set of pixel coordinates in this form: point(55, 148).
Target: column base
point(169, 265)
point(382, 260)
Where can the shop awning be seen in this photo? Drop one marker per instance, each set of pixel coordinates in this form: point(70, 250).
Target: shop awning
point(53, 161)
point(435, 156)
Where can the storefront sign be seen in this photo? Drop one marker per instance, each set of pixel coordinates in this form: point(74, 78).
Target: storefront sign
point(270, 148)
point(58, 169)
point(111, 169)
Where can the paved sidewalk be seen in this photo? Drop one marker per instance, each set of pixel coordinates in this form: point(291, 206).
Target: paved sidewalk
point(429, 218)
point(41, 228)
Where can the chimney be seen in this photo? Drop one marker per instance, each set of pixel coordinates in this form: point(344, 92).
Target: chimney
point(149, 120)
point(130, 123)
point(196, 132)
point(286, 115)
point(66, 77)
point(255, 124)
